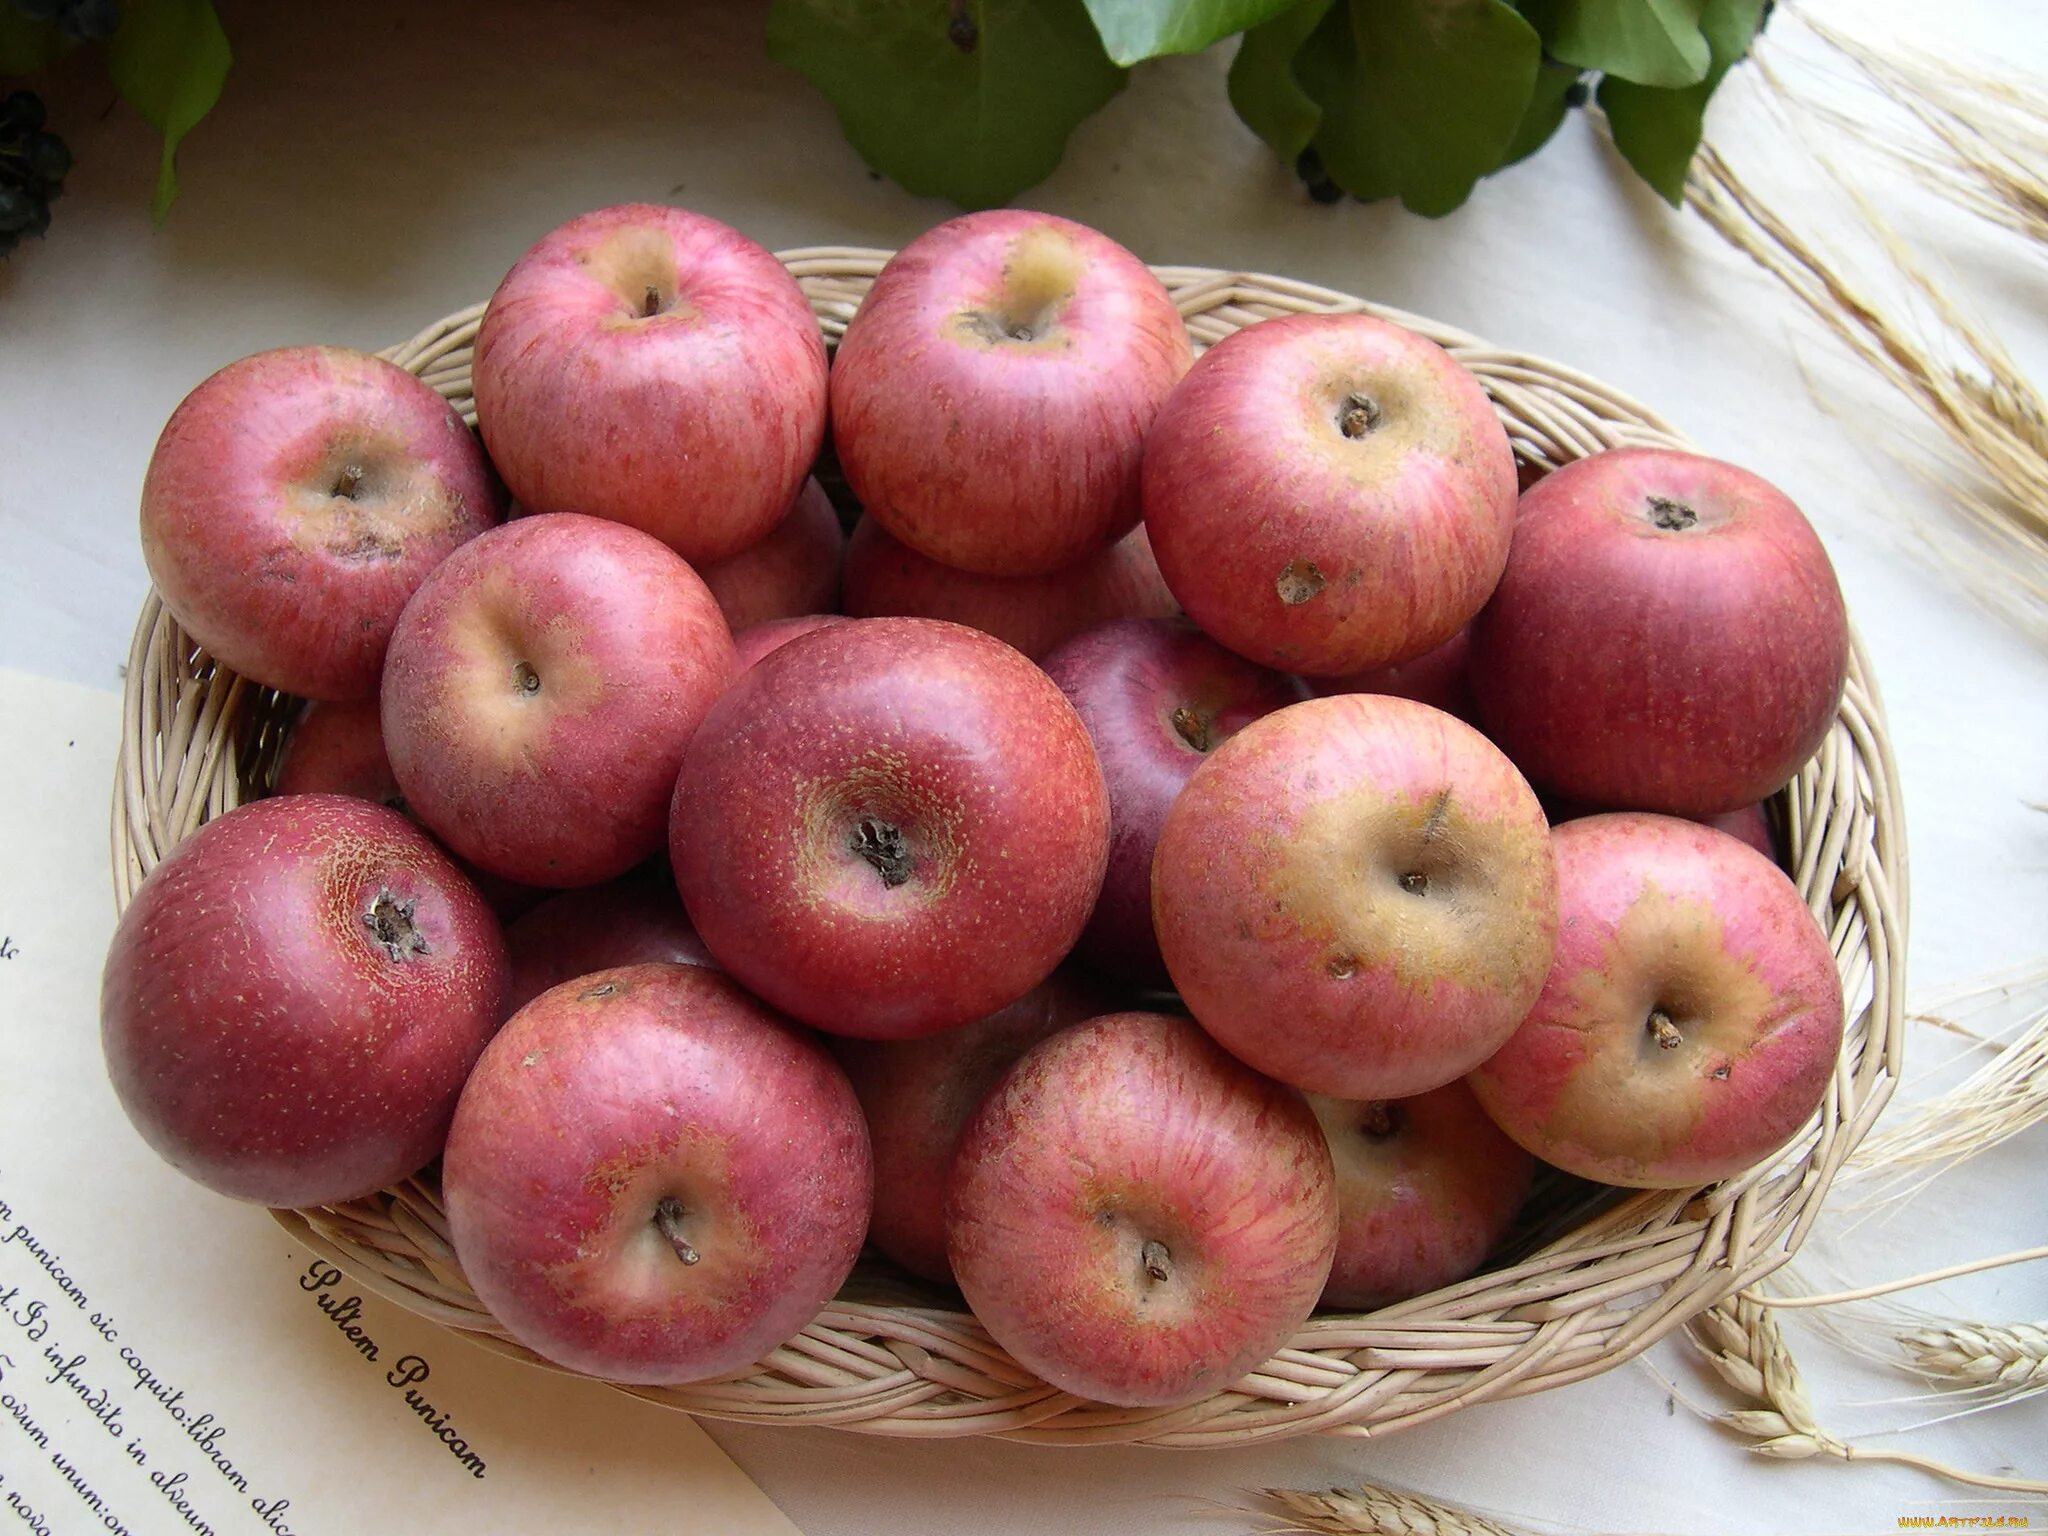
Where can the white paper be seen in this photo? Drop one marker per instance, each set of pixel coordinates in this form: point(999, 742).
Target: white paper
point(169, 1360)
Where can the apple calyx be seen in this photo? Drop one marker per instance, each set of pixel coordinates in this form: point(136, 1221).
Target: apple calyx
point(1663, 1031)
point(668, 1217)
point(1381, 1119)
point(389, 920)
point(884, 847)
point(525, 679)
point(1358, 415)
point(1672, 516)
point(1415, 883)
point(346, 482)
point(1158, 1262)
point(1193, 727)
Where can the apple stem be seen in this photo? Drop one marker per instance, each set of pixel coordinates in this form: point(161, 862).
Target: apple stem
point(668, 1216)
point(1193, 726)
point(1158, 1262)
point(1664, 1032)
point(391, 928)
point(1671, 516)
point(346, 482)
point(650, 303)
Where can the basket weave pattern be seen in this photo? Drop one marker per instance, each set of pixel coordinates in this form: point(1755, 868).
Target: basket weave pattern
point(1599, 1282)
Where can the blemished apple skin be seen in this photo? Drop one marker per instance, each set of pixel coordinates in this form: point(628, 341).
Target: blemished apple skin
point(294, 997)
point(636, 919)
point(1691, 1019)
point(541, 687)
point(1356, 896)
point(295, 500)
point(1032, 613)
point(1668, 636)
point(792, 570)
point(654, 1178)
point(919, 1095)
point(653, 366)
point(1329, 494)
point(991, 395)
point(890, 827)
point(1426, 1188)
point(1157, 696)
point(1136, 1216)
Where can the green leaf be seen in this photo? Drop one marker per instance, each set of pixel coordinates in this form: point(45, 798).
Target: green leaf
point(1652, 42)
point(1658, 131)
point(1419, 98)
point(971, 100)
point(1263, 87)
point(26, 46)
point(169, 59)
point(1545, 111)
point(1135, 30)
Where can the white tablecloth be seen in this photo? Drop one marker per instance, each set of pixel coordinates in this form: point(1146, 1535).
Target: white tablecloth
point(374, 166)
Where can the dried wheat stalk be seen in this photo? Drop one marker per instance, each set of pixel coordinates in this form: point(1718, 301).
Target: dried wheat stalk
point(1963, 381)
point(2013, 1361)
point(2005, 1096)
point(1371, 1510)
point(1985, 135)
point(1741, 1340)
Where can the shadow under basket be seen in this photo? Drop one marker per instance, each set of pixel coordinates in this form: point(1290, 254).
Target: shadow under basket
point(1589, 1280)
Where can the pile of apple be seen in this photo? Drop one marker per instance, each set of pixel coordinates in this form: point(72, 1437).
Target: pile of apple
point(1151, 978)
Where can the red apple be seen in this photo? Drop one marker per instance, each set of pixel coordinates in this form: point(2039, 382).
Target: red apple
point(1691, 1018)
point(295, 501)
point(1355, 895)
point(652, 1178)
point(1329, 494)
point(918, 1095)
point(633, 920)
point(338, 749)
point(1751, 824)
point(1157, 696)
point(652, 366)
point(540, 690)
point(1032, 613)
point(1137, 1217)
point(793, 571)
point(890, 828)
point(1668, 636)
point(294, 997)
point(1440, 678)
point(756, 641)
point(1425, 1188)
point(991, 396)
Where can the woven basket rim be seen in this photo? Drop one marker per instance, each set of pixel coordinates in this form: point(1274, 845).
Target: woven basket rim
point(197, 739)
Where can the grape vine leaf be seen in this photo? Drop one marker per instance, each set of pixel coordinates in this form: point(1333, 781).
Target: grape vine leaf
point(1263, 88)
point(1546, 109)
point(168, 60)
point(1658, 131)
point(1652, 42)
point(25, 45)
point(1135, 30)
point(966, 99)
point(1419, 98)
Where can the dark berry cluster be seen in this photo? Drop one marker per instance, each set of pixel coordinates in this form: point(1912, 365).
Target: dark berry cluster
point(83, 21)
point(33, 164)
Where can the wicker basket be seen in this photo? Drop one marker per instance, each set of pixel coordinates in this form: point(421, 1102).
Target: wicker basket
point(1597, 1281)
